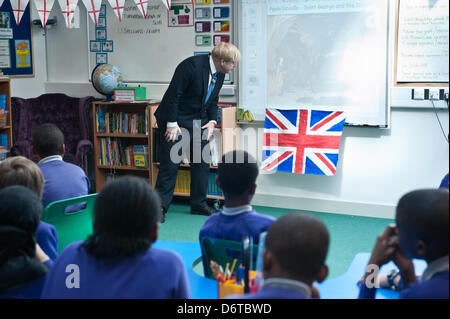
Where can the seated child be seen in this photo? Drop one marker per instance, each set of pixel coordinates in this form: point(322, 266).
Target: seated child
point(23, 265)
point(237, 173)
point(296, 247)
point(62, 180)
point(117, 260)
point(421, 232)
point(19, 170)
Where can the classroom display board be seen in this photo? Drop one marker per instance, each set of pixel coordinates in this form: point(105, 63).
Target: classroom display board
point(147, 50)
point(16, 47)
point(423, 41)
point(316, 54)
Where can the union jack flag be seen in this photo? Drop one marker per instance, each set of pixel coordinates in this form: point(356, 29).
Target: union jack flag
point(302, 141)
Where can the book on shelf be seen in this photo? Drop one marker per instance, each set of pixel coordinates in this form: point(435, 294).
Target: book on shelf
point(3, 111)
point(219, 113)
point(3, 146)
point(121, 122)
point(118, 152)
point(140, 153)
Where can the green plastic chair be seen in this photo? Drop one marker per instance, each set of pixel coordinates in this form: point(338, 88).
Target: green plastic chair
point(71, 226)
point(225, 251)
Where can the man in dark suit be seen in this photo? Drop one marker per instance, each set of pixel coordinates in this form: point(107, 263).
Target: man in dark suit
point(186, 117)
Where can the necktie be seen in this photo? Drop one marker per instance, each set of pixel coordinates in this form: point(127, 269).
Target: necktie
point(211, 86)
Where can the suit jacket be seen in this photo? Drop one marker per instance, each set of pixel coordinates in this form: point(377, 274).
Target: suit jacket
point(185, 96)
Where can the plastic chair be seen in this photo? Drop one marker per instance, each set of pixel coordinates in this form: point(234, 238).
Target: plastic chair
point(225, 251)
point(71, 226)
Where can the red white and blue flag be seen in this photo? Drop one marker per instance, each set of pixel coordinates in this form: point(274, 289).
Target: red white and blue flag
point(302, 141)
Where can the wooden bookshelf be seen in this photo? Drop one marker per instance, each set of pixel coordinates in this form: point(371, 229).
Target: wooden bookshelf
point(6, 128)
point(104, 170)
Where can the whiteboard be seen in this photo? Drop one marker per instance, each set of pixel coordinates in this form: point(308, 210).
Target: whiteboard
point(423, 41)
point(316, 54)
point(148, 50)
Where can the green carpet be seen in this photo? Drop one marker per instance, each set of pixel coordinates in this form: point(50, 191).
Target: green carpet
point(349, 234)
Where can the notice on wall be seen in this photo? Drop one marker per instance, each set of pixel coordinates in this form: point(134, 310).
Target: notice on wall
point(423, 41)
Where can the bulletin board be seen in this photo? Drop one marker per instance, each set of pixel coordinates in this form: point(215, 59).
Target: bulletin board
point(16, 46)
point(147, 50)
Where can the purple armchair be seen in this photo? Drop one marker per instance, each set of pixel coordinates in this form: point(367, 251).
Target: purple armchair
point(70, 114)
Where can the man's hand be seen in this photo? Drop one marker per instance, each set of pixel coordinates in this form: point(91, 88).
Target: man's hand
point(210, 127)
point(172, 133)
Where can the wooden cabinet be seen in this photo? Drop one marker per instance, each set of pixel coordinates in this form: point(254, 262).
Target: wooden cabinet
point(6, 136)
point(115, 138)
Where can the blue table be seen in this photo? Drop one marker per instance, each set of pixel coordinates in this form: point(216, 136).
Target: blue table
point(342, 287)
point(201, 287)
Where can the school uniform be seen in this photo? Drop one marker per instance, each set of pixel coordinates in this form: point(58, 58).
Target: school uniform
point(33, 290)
point(154, 273)
point(62, 180)
point(47, 239)
point(233, 224)
point(279, 288)
point(434, 284)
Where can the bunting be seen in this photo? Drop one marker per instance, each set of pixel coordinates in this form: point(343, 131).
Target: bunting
point(93, 8)
point(44, 7)
point(68, 10)
point(142, 6)
point(18, 8)
point(117, 6)
point(167, 3)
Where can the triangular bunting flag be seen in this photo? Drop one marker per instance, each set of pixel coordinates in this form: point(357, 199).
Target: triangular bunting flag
point(44, 7)
point(117, 6)
point(167, 3)
point(142, 6)
point(93, 8)
point(68, 8)
point(18, 8)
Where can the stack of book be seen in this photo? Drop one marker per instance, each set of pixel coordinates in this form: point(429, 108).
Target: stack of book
point(117, 152)
point(121, 122)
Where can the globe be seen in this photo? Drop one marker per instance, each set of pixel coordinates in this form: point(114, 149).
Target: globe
point(105, 77)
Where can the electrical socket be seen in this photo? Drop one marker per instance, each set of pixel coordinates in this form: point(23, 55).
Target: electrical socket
point(418, 94)
point(433, 94)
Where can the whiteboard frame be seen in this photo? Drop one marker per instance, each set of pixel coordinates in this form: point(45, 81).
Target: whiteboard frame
point(388, 82)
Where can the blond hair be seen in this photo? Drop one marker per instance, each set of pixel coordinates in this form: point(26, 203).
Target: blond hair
point(226, 51)
point(19, 170)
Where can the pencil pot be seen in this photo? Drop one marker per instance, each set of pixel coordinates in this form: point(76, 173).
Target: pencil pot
point(229, 287)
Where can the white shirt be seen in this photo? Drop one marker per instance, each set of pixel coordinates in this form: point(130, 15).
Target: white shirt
point(213, 70)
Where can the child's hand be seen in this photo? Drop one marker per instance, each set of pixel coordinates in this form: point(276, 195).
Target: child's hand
point(40, 254)
point(385, 247)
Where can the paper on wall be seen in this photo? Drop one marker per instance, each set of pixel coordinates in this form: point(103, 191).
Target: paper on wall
point(93, 8)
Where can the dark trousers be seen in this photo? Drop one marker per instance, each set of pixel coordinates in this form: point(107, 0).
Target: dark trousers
point(199, 168)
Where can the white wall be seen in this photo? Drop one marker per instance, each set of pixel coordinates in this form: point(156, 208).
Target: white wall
point(375, 168)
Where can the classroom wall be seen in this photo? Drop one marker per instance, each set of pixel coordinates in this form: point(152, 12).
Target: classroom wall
point(375, 168)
